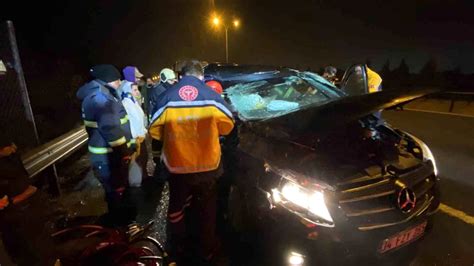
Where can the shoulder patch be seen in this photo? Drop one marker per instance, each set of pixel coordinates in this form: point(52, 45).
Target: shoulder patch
point(188, 93)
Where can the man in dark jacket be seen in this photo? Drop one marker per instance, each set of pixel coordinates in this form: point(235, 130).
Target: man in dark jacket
point(110, 141)
point(167, 80)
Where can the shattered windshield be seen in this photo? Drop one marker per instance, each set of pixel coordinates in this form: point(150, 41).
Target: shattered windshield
point(278, 96)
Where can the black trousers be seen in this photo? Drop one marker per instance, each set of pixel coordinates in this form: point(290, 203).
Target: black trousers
point(114, 179)
point(195, 193)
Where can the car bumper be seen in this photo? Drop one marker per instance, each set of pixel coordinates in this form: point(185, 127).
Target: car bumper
point(343, 240)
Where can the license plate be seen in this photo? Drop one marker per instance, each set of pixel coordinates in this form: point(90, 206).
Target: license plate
point(402, 238)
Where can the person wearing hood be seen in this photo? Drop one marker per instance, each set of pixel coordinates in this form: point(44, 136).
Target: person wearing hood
point(110, 141)
point(133, 75)
point(137, 118)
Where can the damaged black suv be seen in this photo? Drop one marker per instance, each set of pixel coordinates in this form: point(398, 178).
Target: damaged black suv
point(317, 167)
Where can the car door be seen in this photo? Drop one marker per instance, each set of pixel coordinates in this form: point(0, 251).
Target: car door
point(354, 81)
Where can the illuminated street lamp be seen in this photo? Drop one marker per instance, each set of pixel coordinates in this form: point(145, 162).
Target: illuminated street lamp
point(216, 21)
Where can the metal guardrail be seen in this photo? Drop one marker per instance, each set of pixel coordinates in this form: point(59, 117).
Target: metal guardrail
point(39, 158)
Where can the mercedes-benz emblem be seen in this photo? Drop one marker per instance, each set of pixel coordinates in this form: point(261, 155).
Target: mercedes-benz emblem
point(406, 200)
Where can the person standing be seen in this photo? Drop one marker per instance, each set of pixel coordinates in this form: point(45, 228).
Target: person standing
point(132, 74)
point(27, 242)
point(130, 96)
point(374, 81)
point(167, 80)
point(109, 144)
point(188, 122)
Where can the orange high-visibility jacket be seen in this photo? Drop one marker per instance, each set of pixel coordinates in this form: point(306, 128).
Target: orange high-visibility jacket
point(189, 120)
point(374, 81)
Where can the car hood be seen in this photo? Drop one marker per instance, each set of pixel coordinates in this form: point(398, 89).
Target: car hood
point(348, 146)
point(345, 109)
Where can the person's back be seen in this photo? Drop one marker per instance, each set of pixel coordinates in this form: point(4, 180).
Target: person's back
point(189, 120)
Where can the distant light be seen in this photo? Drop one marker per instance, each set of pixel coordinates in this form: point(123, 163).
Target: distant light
point(236, 23)
point(216, 21)
point(295, 259)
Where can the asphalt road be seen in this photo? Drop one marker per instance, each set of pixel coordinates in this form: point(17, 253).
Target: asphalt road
point(451, 139)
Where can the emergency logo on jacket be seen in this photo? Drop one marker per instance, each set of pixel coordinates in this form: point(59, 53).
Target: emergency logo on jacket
point(188, 93)
point(189, 120)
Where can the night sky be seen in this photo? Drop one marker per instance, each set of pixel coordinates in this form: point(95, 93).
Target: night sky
point(297, 33)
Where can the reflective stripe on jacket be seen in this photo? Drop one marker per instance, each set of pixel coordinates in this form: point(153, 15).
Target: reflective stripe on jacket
point(104, 116)
point(189, 120)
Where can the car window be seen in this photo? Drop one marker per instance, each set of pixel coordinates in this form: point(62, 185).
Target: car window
point(355, 81)
point(274, 97)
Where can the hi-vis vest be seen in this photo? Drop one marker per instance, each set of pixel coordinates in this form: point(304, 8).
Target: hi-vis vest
point(189, 121)
point(374, 81)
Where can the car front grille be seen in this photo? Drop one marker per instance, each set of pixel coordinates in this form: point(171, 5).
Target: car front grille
point(370, 202)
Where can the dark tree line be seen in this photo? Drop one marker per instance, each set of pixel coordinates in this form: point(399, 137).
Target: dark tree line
point(429, 75)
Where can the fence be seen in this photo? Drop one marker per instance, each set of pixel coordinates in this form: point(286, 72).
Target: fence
point(16, 117)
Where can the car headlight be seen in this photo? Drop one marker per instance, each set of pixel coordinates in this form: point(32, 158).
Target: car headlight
point(426, 152)
point(309, 203)
point(428, 155)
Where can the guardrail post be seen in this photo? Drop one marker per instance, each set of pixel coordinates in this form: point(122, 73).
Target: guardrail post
point(451, 107)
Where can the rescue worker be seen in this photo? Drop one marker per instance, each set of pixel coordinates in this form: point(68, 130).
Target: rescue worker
point(374, 84)
point(27, 242)
point(188, 123)
point(110, 140)
point(374, 81)
point(167, 80)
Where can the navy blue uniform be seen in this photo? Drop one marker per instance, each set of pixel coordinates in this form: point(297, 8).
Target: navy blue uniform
point(110, 139)
point(154, 94)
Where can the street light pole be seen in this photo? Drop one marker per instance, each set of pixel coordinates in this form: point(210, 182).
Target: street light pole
point(226, 46)
point(217, 21)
